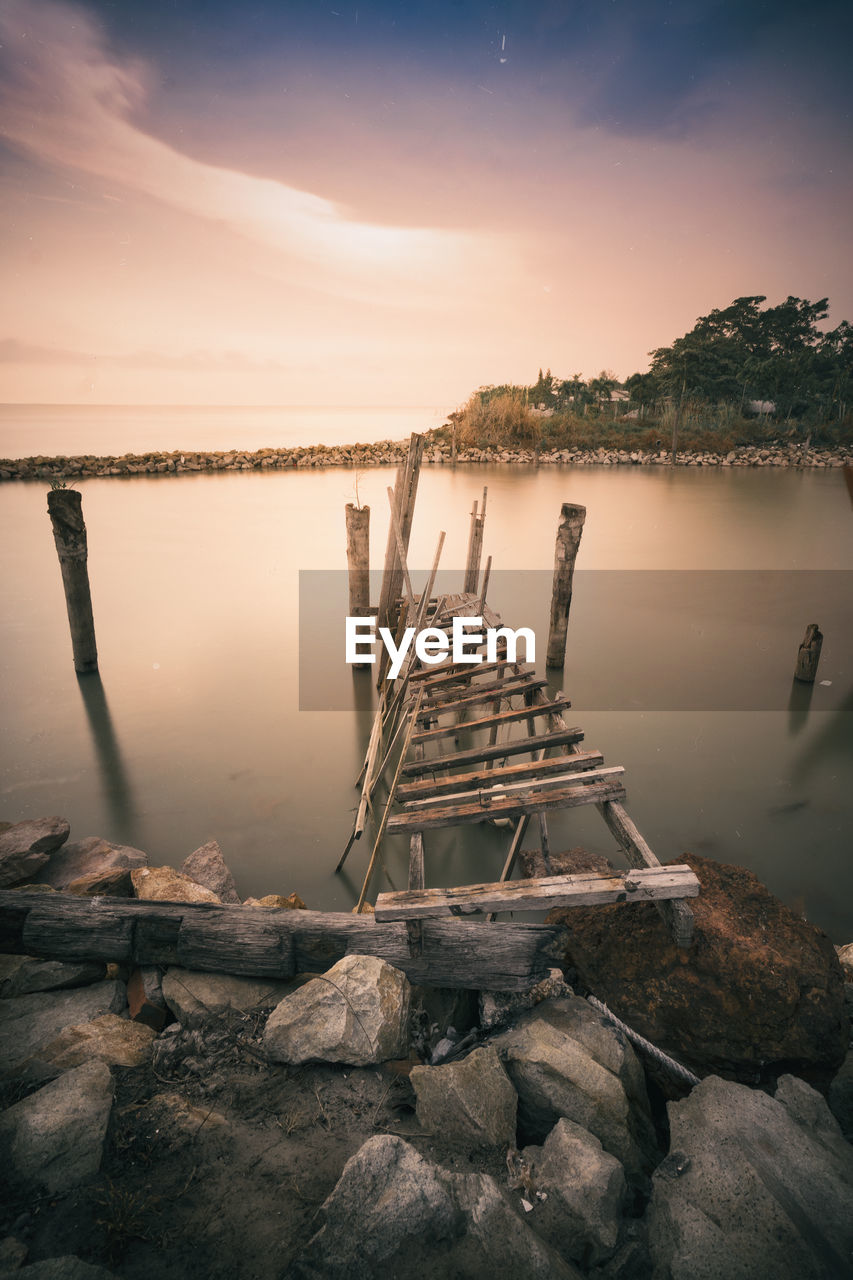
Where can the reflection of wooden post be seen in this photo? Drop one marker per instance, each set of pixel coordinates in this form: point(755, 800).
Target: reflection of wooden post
point(568, 541)
point(808, 655)
point(65, 508)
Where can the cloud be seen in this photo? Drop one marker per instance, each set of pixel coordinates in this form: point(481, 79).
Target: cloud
point(68, 101)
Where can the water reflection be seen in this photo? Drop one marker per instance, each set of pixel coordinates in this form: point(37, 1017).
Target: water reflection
point(831, 745)
point(798, 705)
point(114, 776)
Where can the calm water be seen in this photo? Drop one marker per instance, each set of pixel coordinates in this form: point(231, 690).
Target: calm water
point(57, 430)
point(194, 729)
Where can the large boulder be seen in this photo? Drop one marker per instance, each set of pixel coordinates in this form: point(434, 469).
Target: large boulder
point(472, 1099)
point(165, 884)
point(208, 868)
point(195, 997)
point(89, 857)
point(357, 1013)
point(108, 1038)
point(25, 847)
point(23, 975)
point(393, 1213)
point(55, 1137)
point(67, 1267)
point(580, 1194)
point(28, 1023)
point(754, 1188)
point(565, 1060)
point(758, 993)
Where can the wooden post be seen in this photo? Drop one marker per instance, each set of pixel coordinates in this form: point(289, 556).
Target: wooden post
point(405, 492)
point(568, 540)
point(358, 559)
point(475, 547)
point(808, 655)
point(65, 508)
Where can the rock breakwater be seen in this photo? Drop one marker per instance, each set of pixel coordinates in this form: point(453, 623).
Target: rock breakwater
point(388, 453)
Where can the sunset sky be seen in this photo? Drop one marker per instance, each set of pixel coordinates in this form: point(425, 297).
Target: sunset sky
point(393, 203)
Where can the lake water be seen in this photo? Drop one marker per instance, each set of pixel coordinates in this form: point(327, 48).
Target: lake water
point(194, 729)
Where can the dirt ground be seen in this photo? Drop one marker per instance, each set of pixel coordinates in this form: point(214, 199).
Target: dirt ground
point(216, 1162)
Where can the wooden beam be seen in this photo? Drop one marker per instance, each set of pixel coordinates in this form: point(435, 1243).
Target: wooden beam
point(485, 722)
point(584, 890)
point(677, 915)
point(514, 747)
point(536, 780)
point(272, 943)
point(569, 764)
point(499, 804)
point(494, 692)
point(454, 672)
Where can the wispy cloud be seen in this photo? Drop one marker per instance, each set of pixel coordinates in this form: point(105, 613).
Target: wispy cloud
point(67, 100)
point(13, 351)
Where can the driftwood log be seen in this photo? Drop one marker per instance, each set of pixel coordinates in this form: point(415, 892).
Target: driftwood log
point(272, 943)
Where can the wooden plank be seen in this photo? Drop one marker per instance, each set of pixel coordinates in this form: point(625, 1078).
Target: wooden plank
point(485, 722)
point(584, 890)
point(568, 764)
point(536, 780)
point(514, 747)
point(441, 673)
point(415, 928)
point(272, 943)
point(488, 693)
point(497, 804)
point(678, 915)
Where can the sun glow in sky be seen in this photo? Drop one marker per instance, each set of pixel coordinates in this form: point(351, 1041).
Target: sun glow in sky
point(396, 203)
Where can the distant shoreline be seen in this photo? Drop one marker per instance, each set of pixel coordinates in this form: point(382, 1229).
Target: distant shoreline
point(392, 453)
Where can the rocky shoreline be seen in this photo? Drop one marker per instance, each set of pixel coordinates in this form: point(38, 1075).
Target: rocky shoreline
point(392, 453)
point(348, 1123)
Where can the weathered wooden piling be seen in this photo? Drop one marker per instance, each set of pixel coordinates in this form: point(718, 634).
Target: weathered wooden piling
point(65, 508)
point(475, 546)
point(358, 559)
point(808, 655)
point(569, 532)
point(405, 492)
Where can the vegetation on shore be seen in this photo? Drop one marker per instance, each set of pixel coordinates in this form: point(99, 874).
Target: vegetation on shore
point(741, 376)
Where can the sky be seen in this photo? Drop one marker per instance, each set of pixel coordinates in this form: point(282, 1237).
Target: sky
point(205, 202)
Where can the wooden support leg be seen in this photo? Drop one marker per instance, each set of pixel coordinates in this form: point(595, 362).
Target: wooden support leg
point(415, 928)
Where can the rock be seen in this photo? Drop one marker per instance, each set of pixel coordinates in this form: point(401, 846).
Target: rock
point(55, 1137)
point(470, 1099)
point(68, 1267)
point(753, 1188)
point(840, 1097)
point(195, 997)
point(23, 975)
point(165, 884)
point(145, 998)
point(25, 847)
point(92, 856)
point(564, 1060)
point(29, 1022)
point(845, 958)
point(13, 1255)
point(112, 883)
point(110, 1039)
point(357, 1013)
point(393, 1213)
point(292, 902)
point(586, 1194)
point(759, 991)
point(434, 1010)
point(500, 1007)
point(207, 867)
